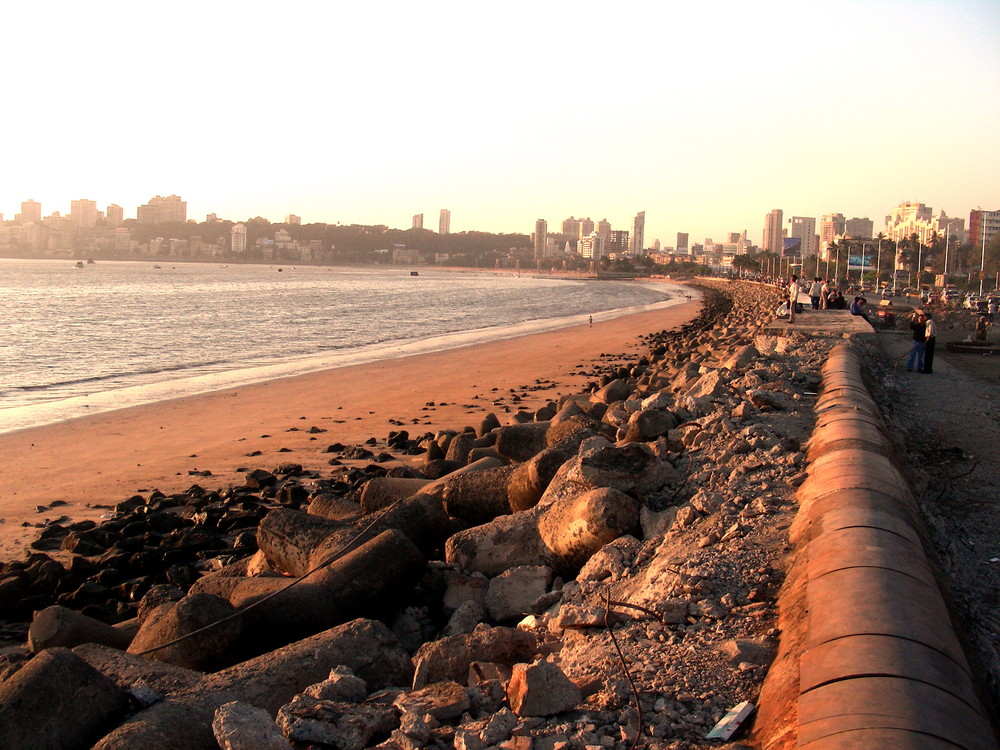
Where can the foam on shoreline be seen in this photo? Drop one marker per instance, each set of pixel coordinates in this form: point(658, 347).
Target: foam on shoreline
point(61, 410)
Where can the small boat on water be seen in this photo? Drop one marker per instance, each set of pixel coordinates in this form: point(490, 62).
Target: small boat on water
point(414, 273)
point(79, 264)
point(90, 262)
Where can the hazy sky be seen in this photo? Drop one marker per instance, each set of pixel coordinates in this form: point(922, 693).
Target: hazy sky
point(705, 117)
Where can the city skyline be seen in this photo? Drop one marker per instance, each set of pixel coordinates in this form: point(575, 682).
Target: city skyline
point(729, 115)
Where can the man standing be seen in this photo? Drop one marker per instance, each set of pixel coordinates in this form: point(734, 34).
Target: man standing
point(816, 291)
point(793, 297)
point(930, 337)
point(918, 326)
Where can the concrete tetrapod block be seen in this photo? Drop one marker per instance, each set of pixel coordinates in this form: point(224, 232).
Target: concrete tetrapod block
point(884, 656)
point(126, 669)
point(864, 601)
point(867, 739)
point(367, 647)
point(861, 547)
point(59, 626)
point(891, 703)
point(57, 701)
point(379, 492)
point(436, 487)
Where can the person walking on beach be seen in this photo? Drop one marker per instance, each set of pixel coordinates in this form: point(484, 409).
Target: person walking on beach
point(793, 297)
point(930, 337)
point(918, 326)
point(816, 292)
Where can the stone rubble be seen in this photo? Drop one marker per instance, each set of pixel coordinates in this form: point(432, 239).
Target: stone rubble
point(646, 517)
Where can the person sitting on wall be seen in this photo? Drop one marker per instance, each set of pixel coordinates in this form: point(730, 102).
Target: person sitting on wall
point(858, 308)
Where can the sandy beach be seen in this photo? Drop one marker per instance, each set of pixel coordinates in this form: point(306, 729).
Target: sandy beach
point(106, 458)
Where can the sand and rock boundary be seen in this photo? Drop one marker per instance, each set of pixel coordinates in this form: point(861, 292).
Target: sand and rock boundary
point(601, 573)
point(868, 656)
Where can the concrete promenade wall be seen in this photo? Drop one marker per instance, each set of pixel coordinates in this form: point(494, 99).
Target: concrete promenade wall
point(869, 657)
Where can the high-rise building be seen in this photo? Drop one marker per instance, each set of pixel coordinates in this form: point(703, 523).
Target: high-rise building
point(603, 228)
point(909, 219)
point(114, 215)
point(774, 232)
point(617, 242)
point(859, 229)
point(831, 226)
point(31, 211)
point(804, 229)
point(983, 226)
point(591, 246)
point(418, 221)
point(83, 213)
point(682, 243)
point(541, 233)
point(571, 227)
point(239, 239)
point(211, 218)
point(293, 219)
point(639, 234)
point(444, 222)
point(585, 228)
point(160, 210)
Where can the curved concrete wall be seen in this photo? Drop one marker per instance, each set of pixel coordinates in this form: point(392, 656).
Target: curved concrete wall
point(868, 657)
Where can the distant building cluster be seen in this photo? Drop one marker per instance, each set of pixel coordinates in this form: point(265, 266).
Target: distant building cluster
point(585, 238)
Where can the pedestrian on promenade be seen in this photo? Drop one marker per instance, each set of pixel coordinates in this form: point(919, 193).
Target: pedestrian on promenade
point(827, 288)
point(918, 324)
point(930, 337)
point(793, 297)
point(816, 292)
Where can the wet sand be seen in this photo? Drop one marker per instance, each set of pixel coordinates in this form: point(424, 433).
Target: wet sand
point(106, 458)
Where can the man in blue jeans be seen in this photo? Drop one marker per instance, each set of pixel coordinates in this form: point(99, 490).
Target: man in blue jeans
point(918, 324)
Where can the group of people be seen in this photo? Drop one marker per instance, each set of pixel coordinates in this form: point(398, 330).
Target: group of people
point(822, 295)
point(924, 339)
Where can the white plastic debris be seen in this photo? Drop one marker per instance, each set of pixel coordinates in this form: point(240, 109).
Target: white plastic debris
point(732, 721)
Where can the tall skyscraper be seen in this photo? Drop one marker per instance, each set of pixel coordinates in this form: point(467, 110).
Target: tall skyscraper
point(831, 226)
point(585, 228)
point(114, 215)
point(804, 228)
point(444, 222)
point(541, 233)
point(31, 211)
point(160, 210)
point(293, 219)
point(603, 228)
point(859, 229)
point(983, 225)
point(239, 239)
point(591, 246)
point(571, 227)
point(617, 242)
point(83, 213)
point(639, 233)
point(682, 244)
point(418, 221)
point(774, 232)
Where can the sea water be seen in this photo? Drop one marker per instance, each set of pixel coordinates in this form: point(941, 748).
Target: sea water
point(79, 341)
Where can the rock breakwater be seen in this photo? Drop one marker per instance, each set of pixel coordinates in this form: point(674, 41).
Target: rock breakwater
point(600, 570)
